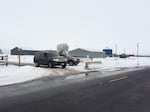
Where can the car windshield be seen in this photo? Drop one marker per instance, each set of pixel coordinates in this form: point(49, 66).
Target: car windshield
point(52, 54)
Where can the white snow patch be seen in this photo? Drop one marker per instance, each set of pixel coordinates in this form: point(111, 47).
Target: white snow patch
point(14, 74)
point(112, 64)
point(24, 59)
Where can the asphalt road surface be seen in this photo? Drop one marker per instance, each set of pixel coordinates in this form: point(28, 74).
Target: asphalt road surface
point(125, 92)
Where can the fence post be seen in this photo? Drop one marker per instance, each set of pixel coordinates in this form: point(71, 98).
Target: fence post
point(86, 66)
point(19, 56)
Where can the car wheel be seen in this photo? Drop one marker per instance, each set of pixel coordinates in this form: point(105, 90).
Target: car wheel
point(75, 64)
point(37, 64)
point(70, 63)
point(64, 66)
point(50, 65)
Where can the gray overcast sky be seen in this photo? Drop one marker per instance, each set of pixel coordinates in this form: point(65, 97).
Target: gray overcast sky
point(89, 24)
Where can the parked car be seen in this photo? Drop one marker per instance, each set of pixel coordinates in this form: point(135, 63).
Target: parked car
point(123, 56)
point(72, 60)
point(62, 50)
point(49, 58)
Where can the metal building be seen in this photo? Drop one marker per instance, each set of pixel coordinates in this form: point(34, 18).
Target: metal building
point(85, 53)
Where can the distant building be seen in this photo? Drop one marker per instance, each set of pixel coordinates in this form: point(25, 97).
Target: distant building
point(108, 52)
point(82, 53)
point(85, 53)
point(17, 51)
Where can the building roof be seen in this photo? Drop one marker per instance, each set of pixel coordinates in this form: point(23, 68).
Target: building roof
point(85, 53)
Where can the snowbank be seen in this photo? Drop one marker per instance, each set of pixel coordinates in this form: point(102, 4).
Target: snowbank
point(14, 74)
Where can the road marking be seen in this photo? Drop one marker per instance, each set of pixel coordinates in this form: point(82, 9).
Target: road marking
point(118, 79)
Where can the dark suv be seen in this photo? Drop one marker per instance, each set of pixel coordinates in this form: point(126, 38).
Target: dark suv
point(49, 58)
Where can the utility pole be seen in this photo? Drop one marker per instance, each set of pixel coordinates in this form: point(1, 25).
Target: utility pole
point(124, 51)
point(116, 52)
point(137, 49)
point(116, 49)
point(137, 54)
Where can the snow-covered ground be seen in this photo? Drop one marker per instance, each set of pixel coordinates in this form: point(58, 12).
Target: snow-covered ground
point(24, 59)
point(111, 64)
point(14, 74)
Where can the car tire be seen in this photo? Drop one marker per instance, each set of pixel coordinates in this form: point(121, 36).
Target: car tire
point(37, 64)
point(64, 66)
point(50, 65)
point(70, 63)
point(75, 64)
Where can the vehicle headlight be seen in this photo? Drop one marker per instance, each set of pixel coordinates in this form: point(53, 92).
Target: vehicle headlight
point(55, 59)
